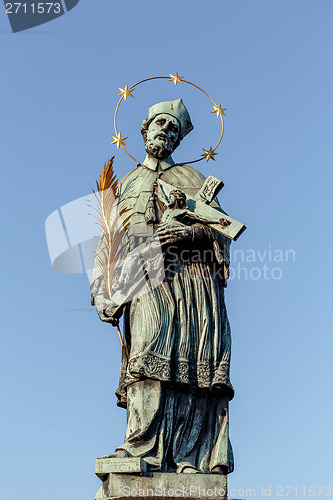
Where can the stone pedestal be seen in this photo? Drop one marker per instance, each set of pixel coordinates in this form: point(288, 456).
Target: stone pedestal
point(163, 486)
point(136, 482)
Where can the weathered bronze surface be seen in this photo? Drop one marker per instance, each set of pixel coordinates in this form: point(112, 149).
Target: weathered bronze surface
point(174, 379)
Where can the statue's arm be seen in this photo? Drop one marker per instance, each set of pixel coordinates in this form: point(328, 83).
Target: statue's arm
point(176, 232)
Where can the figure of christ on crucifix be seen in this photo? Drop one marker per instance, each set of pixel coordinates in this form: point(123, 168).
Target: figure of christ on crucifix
point(174, 379)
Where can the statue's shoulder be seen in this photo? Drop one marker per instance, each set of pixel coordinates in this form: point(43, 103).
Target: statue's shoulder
point(184, 176)
point(127, 177)
point(131, 182)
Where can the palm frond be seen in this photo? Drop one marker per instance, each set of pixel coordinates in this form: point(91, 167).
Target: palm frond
point(112, 221)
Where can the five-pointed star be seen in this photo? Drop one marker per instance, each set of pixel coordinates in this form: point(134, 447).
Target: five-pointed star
point(126, 92)
point(218, 110)
point(175, 78)
point(119, 140)
point(209, 154)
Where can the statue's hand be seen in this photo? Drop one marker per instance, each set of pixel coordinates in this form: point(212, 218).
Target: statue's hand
point(107, 311)
point(174, 232)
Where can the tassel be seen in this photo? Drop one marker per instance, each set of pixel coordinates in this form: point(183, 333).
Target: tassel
point(150, 213)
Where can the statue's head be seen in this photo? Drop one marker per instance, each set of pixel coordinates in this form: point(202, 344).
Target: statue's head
point(177, 199)
point(167, 124)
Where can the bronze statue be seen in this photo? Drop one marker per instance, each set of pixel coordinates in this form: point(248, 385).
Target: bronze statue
point(175, 365)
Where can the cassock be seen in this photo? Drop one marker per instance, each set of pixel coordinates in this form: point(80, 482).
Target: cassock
point(174, 378)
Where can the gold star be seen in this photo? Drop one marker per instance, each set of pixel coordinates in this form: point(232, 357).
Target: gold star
point(218, 110)
point(126, 92)
point(119, 140)
point(176, 78)
point(209, 154)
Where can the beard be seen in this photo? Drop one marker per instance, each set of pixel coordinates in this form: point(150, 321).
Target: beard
point(158, 149)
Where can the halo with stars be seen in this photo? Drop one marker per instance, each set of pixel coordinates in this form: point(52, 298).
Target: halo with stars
point(126, 92)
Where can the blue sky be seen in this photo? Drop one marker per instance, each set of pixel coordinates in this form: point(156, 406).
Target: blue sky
point(270, 64)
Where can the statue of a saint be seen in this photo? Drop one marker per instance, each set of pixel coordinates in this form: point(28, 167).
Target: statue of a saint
point(174, 378)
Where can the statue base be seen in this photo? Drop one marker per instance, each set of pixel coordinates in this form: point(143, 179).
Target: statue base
point(163, 486)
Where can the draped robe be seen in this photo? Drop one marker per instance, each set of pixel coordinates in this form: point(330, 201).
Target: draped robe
point(175, 364)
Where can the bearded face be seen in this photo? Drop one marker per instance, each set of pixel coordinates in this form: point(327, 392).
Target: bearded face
point(162, 136)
